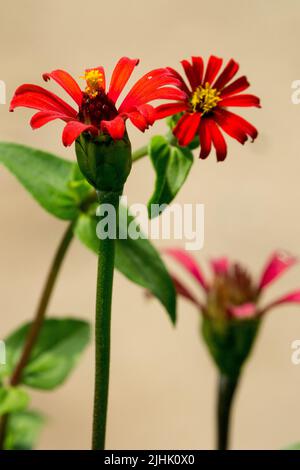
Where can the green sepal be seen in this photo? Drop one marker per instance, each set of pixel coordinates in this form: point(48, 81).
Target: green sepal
point(229, 342)
point(104, 162)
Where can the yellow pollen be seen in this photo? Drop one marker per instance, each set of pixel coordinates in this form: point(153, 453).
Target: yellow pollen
point(204, 98)
point(94, 81)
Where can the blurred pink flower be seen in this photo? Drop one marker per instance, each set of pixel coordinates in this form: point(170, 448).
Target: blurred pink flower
point(231, 292)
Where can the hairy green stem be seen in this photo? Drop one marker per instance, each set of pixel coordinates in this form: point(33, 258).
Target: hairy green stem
point(38, 320)
point(226, 391)
point(103, 326)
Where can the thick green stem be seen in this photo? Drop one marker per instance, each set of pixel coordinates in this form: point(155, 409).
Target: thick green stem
point(226, 390)
point(39, 317)
point(103, 322)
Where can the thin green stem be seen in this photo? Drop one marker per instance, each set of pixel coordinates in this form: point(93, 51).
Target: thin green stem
point(226, 391)
point(39, 317)
point(102, 330)
point(139, 153)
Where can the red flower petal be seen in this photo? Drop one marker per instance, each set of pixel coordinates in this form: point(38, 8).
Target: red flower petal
point(145, 89)
point(73, 129)
point(244, 311)
point(228, 73)
point(188, 262)
point(198, 69)
point(235, 87)
point(292, 297)
point(190, 73)
point(148, 112)
point(218, 141)
point(220, 265)
point(41, 118)
point(169, 109)
point(276, 266)
point(213, 67)
point(241, 100)
point(235, 126)
point(205, 138)
point(115, 127)
point(181, 83)
point(120, 77)
point(36, 97)
point(67, 82)
point(186, 128)
point(138, 120)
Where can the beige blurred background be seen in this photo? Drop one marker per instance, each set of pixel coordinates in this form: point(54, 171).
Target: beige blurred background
point(162, 379)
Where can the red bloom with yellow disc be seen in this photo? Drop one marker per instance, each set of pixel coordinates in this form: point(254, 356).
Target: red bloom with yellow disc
point(207, 98)
point(97, 111)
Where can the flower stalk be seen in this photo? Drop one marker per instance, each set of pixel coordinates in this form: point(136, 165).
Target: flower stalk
point(103, 326)
point(225, 395)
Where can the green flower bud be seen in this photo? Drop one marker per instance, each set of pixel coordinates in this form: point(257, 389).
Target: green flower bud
point(229, 342)
point(104, 162)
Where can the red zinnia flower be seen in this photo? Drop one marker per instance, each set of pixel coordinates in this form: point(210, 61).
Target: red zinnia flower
point(97, 111)
point(231, 293)
point(205, 106)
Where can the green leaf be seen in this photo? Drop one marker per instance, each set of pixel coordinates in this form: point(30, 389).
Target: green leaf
point(23, 430)
point(172, 165)
point(12, 399)
point(57, 350)
point(137, 259)
point(55, 183)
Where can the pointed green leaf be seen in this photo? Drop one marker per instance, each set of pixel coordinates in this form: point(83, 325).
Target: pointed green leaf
point(137, 259)
point(55, 183)
point(172, 165)
point(57, 350)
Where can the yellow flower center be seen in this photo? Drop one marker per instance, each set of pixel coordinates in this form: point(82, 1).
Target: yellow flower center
point(204, 98)
point(94, 82)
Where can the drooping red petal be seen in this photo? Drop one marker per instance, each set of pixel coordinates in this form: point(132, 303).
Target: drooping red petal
point(146, 89)
point(148, 112)
point(241, 312)
point(220, 265)
point(189, 263)
point(67, 82)
point(275, 267)
point(120, 76)
point(213, 67)
point(165, 93)
point(235, 87)
point(241, 100)
point(36, 97)
point(228, 73)
point(138, 120)
point(198, 69)
point(73, 129)
point(165, 110)
point(190, 73)
point(235, 126)
point(182, 290)
point(205, 138)
point(292, 297)
point(186, 128)
point(218, 141)
point(41, 118)
point(115, 127)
